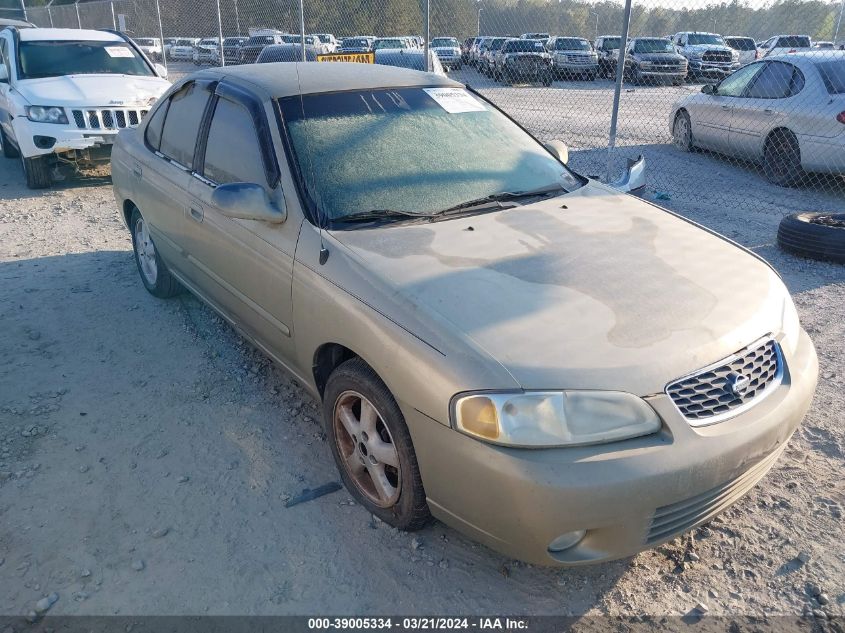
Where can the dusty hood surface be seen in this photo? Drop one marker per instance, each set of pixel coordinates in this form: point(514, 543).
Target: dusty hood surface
point(92, 90)
point(589, 290)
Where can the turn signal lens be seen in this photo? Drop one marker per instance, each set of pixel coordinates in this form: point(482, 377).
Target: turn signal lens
point(479, 417)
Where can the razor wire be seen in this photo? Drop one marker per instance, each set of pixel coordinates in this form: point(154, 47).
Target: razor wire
point(738, 151)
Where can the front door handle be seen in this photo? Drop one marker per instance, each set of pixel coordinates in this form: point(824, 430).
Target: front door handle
point(726, 107)
point(769, 111)
point(196, 214)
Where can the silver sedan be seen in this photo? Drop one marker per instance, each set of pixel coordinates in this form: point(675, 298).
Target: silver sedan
point(786, 112)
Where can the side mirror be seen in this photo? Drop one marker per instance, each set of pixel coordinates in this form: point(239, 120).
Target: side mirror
point(634, 177)
point(161, 71)
point(559, 150)
point(709, 89)
point(4, 74)
point(249, 201)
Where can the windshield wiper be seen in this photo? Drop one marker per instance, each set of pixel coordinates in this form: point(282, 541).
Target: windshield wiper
point(494, 201)
point(380, 214)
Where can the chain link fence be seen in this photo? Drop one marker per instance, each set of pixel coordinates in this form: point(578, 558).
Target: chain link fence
point(714, 96)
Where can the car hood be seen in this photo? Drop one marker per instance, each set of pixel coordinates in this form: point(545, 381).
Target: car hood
point(92, 90)
point(592, 290)
point(702, 48)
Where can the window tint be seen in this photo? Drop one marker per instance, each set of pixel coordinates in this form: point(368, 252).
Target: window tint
point(775, 81)
point(232, 152)
point(741, 43)
point(794, 41)
point(153, 133)
point(179, 136)
point(735, 84)
point(833, 75)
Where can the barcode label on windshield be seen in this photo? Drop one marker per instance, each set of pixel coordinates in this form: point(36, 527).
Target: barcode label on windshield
point(455, 100)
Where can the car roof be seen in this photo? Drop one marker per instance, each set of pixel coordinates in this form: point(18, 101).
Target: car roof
point(90, 35)
point(811, 56)
point(293, 78)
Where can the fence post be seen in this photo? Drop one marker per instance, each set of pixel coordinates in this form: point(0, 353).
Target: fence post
point(161, 35)
point(219, 34)
point(839, 22)
point(427, 34)
point(237, 19)
point(114, 21)
point(302, 26)
point(480, 9)
point(617, 92)
point(23, 6)
point(78, 19)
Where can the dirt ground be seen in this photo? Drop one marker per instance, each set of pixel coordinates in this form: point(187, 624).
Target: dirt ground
point(146, 453)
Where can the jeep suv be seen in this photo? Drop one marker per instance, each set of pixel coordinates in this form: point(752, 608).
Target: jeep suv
point(707, 55)
point(66, 93)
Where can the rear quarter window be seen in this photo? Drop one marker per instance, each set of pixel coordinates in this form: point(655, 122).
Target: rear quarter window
point(833, 76)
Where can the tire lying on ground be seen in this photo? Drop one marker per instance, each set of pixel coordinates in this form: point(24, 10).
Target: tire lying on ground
point(815, 235)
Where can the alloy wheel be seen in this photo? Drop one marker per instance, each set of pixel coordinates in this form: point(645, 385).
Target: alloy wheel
point(146, 252)
point(367, 449)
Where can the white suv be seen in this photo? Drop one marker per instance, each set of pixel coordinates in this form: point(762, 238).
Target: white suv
point(65, 94)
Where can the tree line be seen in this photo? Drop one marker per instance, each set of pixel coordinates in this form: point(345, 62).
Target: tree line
point(459, 18)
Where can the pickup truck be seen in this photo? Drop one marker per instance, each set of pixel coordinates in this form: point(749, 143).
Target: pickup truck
point(708, 56)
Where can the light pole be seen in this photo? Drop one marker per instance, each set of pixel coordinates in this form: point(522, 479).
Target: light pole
point(480, 9)
point(714, 25)
point(597, 26)
point(237, 19)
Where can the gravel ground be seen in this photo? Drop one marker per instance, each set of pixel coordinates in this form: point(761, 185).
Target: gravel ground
point(146, 452)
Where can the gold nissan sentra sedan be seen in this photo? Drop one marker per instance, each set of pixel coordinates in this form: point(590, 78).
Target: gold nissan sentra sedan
point(564, 372)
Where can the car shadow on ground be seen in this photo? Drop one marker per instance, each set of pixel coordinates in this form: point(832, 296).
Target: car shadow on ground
point(159, 386)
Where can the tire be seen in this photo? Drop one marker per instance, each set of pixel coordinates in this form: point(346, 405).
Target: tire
point(37, 172)
point(399, 500)
point(682, 132)
point(591, 77)
point(782, 159)
point(9, 150)
point(547, 79)
point(153, 271)
point(814, 235)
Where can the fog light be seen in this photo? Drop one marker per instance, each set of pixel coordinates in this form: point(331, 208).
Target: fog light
point(43, 142)
point(565, 541)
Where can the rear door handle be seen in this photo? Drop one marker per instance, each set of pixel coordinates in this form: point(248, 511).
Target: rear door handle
point(769, 111)
point(726, 107)
point(196, 214)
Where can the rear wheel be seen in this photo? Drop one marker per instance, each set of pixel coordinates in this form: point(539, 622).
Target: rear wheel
point(37, 172)
point(782, 159)
point(154, 272)
point(372, 446)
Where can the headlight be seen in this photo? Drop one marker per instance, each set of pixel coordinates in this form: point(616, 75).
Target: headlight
point(696, 55)
point(645, 64)
point(46, 114)
point(554, 418)
point(735, 55)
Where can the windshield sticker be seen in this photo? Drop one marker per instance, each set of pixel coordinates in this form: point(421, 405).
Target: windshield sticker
point(455, 100)
point(119, 51)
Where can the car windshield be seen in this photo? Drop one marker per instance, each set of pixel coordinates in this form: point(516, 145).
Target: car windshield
point(360, 151)
point(356, 43)
point(145, 41)
point(694, 39)
point(523, 46)
point(392, 43)
point(793, 41)
point(610, 43)
point(572, 44)
point(741, 43)
point(232, 41)
point(497, 43)
point(826, 45)
point(208, 42)
point(833, 75)
point(184, 43)
point(653, 46)
point(55, 58)
point(445, 41)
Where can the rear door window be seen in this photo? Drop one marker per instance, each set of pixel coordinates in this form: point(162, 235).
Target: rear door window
point(233, 153)
point(833, 76)
point(184, 115)
point(154, 126)
point(778, 80)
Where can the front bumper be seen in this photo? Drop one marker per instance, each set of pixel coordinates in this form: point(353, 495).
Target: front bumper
point(575, 67)
point(674, 75)
point(628, 496)
point(68, 137)
point(712, 69)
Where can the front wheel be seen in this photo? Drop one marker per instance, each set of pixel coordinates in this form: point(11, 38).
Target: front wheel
point(37, 172)
point(372, 447)
point(154, 272)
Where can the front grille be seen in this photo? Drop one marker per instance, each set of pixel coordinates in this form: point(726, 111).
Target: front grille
point(684, 515)
point(706, 397)
point(722, 57)
point(107, 118)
